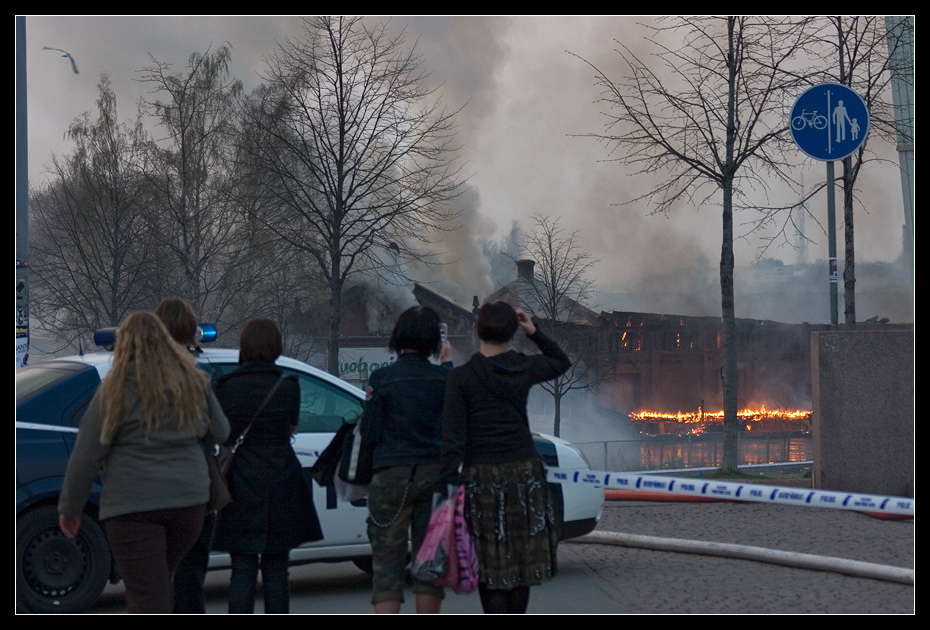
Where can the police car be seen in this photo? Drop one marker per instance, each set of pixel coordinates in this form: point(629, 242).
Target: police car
point(57, 574)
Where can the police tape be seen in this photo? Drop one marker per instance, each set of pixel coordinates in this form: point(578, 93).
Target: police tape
point(735, 491)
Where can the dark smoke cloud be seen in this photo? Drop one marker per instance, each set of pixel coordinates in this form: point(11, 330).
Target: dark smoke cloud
point(525, 101)
point(462, 55)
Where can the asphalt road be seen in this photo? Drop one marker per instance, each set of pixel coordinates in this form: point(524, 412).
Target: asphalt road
point(601, 579)
point(675, 583)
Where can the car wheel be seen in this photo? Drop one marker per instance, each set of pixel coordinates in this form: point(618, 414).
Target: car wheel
point(55, 573)
point(365, 564)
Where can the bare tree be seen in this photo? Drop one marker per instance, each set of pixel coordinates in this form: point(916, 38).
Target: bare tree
point(92, 255)
point(190, 169)
point(860, 53)
point(275, 279)
point(712, 115)
point(555, 294)
point(357, 151)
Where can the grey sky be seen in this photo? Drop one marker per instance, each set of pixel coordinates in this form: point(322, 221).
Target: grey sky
point(525, 97)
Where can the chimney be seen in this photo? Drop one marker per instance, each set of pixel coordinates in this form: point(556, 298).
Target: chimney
point(525, 269)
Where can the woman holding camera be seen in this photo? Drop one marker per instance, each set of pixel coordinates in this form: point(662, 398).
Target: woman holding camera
point(486, 431)
point(402, 422)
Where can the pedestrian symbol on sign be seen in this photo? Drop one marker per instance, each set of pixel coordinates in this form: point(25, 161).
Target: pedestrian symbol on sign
point(835, 133)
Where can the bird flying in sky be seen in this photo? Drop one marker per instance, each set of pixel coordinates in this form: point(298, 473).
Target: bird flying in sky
point(64, 54)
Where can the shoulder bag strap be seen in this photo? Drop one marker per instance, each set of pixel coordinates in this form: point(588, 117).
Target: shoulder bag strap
point(261, 408)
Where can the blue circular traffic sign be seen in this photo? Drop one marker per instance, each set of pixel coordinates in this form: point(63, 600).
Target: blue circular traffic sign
point(829, 122)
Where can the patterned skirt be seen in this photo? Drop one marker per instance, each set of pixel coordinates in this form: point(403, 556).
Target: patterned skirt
point(511, 517)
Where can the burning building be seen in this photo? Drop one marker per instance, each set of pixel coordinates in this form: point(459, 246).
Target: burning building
point(672, 363)
point(661, 371)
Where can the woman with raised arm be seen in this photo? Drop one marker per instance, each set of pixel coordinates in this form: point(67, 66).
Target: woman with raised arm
point(486, 431)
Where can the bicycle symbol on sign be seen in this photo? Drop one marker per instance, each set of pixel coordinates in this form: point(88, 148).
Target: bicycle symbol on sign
point(808, 119)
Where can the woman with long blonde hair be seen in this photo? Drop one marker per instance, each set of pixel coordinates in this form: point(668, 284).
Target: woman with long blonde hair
point(144, 427)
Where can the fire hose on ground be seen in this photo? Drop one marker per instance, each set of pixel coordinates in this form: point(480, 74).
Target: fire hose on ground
point(759, 554)
point(645, 487)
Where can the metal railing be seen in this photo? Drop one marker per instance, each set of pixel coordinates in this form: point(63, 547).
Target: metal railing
point(694, 451)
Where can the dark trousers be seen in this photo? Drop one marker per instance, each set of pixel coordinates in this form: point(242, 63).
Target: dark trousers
point(274, 583)
point(188, 580)
point(147, 548)
point(500, 602)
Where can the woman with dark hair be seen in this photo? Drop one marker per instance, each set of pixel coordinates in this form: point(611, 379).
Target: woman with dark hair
point(403, 424)
point(486, 431)
point(180, 320)
point(144, 427)
point(272, 507)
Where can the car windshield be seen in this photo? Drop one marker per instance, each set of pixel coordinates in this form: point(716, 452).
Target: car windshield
point(32, 379)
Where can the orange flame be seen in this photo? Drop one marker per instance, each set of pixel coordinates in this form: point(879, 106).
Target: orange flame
point(695, 421)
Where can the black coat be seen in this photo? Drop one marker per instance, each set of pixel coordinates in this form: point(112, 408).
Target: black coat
point(272, 506)
point(484, 411)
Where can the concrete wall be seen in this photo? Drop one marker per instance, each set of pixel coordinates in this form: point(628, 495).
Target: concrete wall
point(863, 421)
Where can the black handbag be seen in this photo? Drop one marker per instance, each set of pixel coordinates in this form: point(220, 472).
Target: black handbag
point(355, 465)
point(347, 457)
point(345, 465)
point(326, 466)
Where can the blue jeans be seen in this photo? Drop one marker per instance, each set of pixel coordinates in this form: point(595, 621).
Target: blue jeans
point(274, 583)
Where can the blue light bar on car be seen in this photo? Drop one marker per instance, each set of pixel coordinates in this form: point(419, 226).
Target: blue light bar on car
point(105, 337)
point(206, 333)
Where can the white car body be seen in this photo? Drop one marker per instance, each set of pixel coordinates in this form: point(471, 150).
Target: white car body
point(327, 401)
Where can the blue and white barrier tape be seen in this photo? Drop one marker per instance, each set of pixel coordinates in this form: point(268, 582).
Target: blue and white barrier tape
point(736, 491)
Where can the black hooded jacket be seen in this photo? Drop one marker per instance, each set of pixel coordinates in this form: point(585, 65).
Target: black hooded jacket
point(484, 413)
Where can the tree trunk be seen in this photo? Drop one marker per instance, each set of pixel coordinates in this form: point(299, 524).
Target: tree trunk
point(849, 270)
point(728, 307)
point(730, 373)
point(335, 315)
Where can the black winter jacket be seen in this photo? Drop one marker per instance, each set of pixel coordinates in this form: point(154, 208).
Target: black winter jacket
point(272, 509)
point(484, 413)
point(403, 416)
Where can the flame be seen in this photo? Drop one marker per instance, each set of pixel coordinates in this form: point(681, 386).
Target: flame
point(703, 416)
point(694, 422)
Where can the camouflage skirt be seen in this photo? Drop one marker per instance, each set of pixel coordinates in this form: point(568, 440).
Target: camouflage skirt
point(511, 517)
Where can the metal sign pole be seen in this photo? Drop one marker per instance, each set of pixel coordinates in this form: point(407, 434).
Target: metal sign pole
point(21, 200)
point(829, 136)
point(831, 239)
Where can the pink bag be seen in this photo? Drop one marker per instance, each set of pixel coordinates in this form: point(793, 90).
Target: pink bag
point(432, 561)
point(462, 574)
